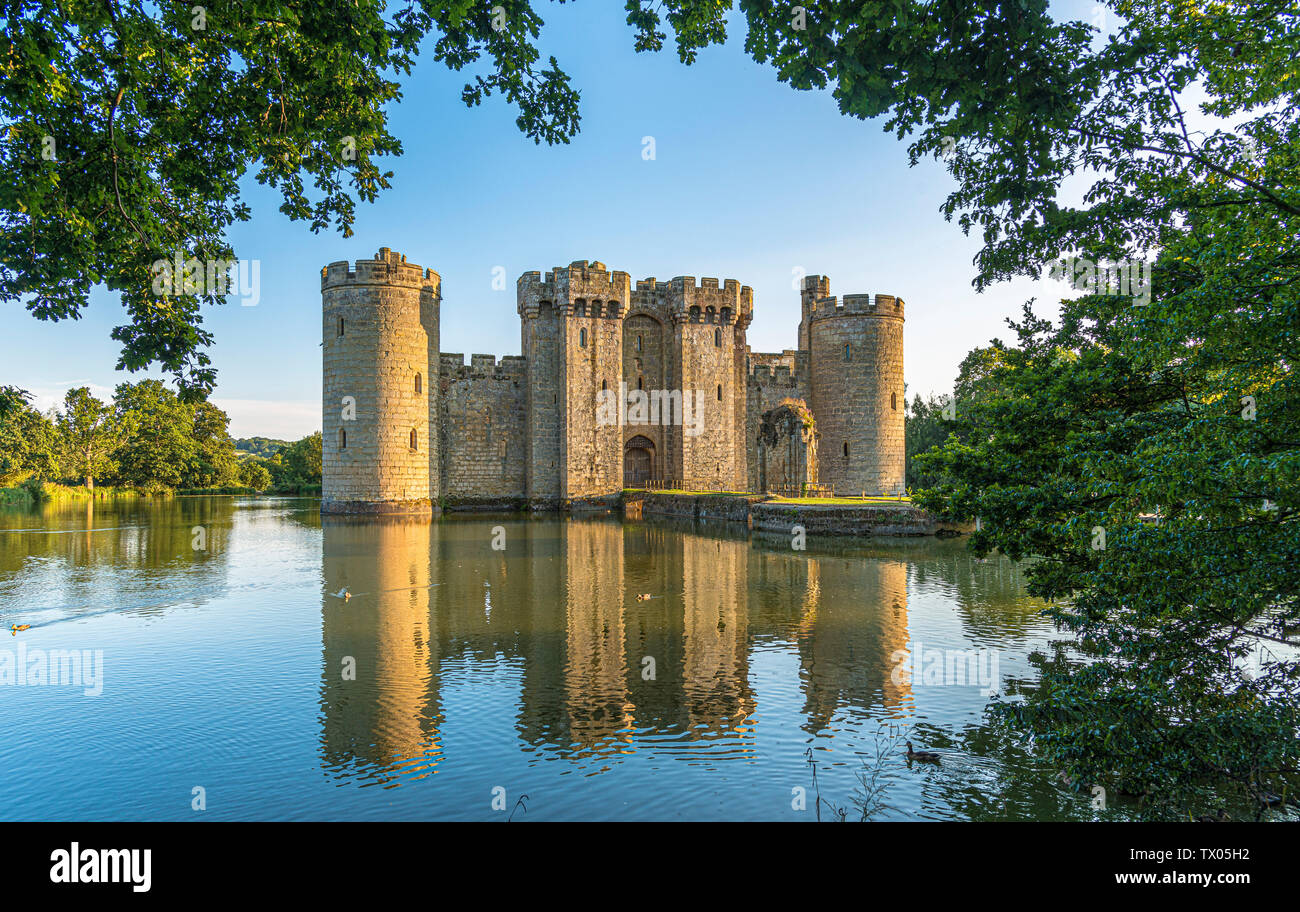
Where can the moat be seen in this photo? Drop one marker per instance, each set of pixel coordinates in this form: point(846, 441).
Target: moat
point(294, 667)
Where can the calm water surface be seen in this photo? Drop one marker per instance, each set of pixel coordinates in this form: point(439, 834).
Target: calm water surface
point(524, 669)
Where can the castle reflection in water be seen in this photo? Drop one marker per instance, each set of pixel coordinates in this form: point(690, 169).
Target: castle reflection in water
point(560, 603)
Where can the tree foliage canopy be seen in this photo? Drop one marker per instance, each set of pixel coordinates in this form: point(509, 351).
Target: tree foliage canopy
point(128, 126)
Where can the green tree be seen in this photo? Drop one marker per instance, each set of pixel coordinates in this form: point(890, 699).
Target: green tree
point(29, 444)
point(302, 460)
point(274, 464)
point(924, 429)
point(975, 375)
point(128, 126)
point(215, 463)
point(90, 433)
point(929, 423)
point(254, 474)
point(13, 440)
point(158, 448)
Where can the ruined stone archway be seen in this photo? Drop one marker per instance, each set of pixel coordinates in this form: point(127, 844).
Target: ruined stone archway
point(787, 448)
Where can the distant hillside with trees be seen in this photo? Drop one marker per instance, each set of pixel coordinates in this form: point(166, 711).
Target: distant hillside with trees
point(265, 447)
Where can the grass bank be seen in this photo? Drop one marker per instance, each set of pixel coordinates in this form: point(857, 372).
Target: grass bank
point(30, 493)
point(850, 501)
point(688, 493)
point(841, 501)
point(205, 492)
point(15, 497)
point(301, 490)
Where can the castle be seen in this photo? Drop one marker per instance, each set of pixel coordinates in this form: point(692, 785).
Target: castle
point(617, 385)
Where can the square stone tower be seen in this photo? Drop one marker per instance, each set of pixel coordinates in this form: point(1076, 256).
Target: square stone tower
point(572, 339)
point(709, 321)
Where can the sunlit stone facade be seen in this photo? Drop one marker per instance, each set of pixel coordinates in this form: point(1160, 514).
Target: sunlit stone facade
point(618, 383)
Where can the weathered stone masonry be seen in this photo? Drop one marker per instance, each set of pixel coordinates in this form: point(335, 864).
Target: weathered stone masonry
point(408, 428)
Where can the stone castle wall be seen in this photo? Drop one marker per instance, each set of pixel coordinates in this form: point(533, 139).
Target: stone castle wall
point(482, 411)
point(526, 428)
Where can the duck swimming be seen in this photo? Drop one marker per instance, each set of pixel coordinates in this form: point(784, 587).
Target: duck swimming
point(923, 756)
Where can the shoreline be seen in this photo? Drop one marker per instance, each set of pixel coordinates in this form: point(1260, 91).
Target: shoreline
point(882, 516)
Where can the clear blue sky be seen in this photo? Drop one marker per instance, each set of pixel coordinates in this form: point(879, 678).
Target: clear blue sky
point(751, 181)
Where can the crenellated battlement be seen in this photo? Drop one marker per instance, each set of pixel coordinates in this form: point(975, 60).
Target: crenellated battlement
point(452, 366)
point(857, 305)
point(709, 301)
point(769, 369)
point(652, 286)
point(387, 268)
point(576, 289)
point(591, 277)
point(532, 291)
point(583, 288)
point(687, 285)
point(818, 286)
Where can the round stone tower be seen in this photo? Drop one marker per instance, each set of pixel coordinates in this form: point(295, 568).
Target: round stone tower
point(856, 363)
point(379, 425)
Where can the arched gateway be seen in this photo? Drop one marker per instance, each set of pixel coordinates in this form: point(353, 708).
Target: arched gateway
point(638, 461)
